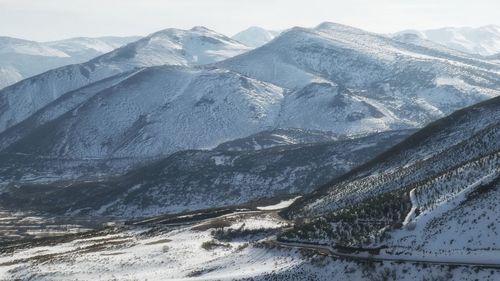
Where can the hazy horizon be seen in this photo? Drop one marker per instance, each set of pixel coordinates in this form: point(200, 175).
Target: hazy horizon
point(41, 20)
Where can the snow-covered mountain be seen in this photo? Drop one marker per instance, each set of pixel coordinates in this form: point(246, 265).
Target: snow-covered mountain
point(416, 197)
point(9, 45)
point(86, 48)
point(255, 36)
point(168, 47)
point(139, 115)
point(483, 40)
point(398, 83)
point(330, 78)
point(415, 39)
point(196, 46)
point(20, 59)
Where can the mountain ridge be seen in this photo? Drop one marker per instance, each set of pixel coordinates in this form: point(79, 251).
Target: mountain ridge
point(484, 40)
point(21, 59)
point(29, 95)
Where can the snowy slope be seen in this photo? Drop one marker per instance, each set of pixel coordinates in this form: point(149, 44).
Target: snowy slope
point(9, 75)
point(463, 222)
point(484, 40)
point(60, 106)
point(255, 36)
point(170, 46)
point(440, 181)
point(20, 59)
point(328, 107)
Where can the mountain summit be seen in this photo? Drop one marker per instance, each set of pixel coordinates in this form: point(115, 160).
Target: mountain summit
point(255, 36)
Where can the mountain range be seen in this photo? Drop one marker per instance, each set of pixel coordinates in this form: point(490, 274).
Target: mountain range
point(312, 153)
point(367, 78)
point(483, 40)
point(167, 47)
point(176, 90)
point(20, 59)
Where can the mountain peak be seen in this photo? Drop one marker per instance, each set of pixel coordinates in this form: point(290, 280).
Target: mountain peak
point(255, 36)
point(330, 26)
point(255, 29)
point(410, 37)
point(196, 31)
point(200, 28)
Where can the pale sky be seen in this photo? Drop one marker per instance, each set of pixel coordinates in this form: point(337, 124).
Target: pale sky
point(45, 20)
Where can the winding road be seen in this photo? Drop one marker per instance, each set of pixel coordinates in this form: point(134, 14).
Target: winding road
point(326, 250)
